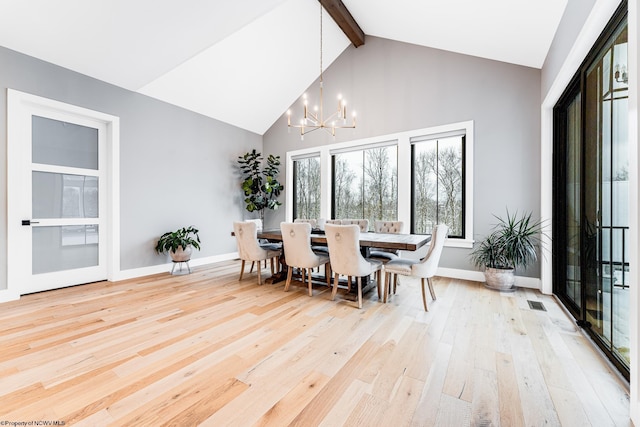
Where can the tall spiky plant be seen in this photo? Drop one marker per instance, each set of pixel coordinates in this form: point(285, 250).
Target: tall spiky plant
point(513, 243)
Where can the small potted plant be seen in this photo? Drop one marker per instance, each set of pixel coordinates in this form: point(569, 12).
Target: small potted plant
point(179, 243)
point(513, 243)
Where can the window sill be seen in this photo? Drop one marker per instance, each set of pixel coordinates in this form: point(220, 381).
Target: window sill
point(459, 243)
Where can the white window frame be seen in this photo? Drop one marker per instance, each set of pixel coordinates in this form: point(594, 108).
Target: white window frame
point(404, 171)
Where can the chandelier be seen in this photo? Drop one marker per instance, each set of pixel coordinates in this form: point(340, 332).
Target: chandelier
point(314, 119)
point(621, 77)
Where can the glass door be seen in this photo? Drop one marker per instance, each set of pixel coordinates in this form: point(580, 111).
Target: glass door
point(63, 202)
point(591, 200)
point(606, 196)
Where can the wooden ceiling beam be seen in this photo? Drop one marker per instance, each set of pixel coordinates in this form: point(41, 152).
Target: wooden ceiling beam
point(341, 15)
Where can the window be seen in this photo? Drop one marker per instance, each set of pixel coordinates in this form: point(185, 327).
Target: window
point(306, 181)
point(420, 177)
point(365, 183)
point(437, 176)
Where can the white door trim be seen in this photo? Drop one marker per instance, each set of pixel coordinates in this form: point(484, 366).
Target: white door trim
point(19, 105)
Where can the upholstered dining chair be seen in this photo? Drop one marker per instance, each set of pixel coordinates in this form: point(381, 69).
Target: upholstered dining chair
point(296, 239)
point(393, 227)
point(425, 268)
point(264, 244)
point(344, 252)
point(249, 248)
point(363, 223)
point(311, 221)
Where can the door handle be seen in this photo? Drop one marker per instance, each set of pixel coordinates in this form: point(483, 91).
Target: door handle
point(29, 222)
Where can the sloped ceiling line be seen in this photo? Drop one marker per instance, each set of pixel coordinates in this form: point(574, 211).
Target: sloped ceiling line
point(245, 63)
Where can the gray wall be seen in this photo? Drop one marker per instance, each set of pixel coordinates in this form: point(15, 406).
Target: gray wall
point(397, 87)
point(572, 21)
point(177, 168)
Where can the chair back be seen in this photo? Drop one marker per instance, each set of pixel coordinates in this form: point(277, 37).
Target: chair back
point(333, 221)
point(296, 239)
point(313, 222)
point(391, 227)
point(246, 236)
point(429, 264)
point(363, 224)
point(258, 223)
point(344, 250)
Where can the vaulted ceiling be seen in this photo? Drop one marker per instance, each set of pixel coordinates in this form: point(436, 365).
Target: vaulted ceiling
point(245, 62)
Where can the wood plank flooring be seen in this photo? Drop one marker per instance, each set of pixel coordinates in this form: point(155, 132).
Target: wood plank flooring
point(206, 349)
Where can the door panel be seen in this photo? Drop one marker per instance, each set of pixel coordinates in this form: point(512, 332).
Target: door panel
point(591, 196)
point(64, 200)
point(67, 247)
point(573, 170)
point(62, 143)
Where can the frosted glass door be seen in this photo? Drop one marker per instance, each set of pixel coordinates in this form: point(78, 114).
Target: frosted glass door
point(66, 203)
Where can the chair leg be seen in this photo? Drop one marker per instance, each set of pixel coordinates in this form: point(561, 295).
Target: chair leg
point(327, 273)
point(387, 279)
point(252, 264)
point(259, 268)
point(309, 281)
point(395, 283)
point(348, 283)
point(288, 283)
point(241, 270)
point(359, 292)
point(379, 286)
point(424, 298)
point(433, 294)
point(336, 276)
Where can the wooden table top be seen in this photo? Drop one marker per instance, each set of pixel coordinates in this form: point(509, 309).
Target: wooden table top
point(406, 242)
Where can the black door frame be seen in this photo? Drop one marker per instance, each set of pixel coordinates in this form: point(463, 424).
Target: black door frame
point(559, 207)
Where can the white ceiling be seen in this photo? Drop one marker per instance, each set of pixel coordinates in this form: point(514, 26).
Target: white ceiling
point(245, 62)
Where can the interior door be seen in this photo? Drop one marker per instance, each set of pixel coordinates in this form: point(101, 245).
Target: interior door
point(63, 201)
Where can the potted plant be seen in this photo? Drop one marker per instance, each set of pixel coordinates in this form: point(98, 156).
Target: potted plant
point(179, 243)
point(260, 185)
point(513, 243)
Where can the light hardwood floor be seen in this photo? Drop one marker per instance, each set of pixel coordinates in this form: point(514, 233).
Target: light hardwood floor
point(206, 349)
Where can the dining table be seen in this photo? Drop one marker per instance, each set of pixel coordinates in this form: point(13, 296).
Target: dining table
point(368, 240)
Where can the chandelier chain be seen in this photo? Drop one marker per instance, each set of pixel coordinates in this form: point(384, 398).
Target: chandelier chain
point(320, 44)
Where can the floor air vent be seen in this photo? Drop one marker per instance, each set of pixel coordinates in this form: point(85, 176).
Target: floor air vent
point(536, 305)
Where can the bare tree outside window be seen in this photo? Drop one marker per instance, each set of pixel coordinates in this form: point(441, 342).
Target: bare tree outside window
point(438, 185)
point(366, 184)
point(306, 181)
point(347, 187)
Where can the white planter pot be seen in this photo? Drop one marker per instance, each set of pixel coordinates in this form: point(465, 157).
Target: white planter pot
point(500, 279)
point(181, 255)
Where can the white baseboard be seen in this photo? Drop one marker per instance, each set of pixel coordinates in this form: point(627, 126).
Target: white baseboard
point(478, 276)
point(7, 295)
point(163, 268)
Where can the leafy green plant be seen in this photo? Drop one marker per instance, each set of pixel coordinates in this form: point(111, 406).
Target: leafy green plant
point(513, 243)
point(184, 237)
point(260, 186)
